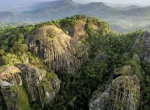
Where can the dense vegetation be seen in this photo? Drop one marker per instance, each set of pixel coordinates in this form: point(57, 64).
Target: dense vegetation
point(12, 24)
point(77, 88)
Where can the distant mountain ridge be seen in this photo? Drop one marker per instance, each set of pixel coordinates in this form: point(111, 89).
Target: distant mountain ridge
point(59, 9)
point(126, 8)
point(46, 11)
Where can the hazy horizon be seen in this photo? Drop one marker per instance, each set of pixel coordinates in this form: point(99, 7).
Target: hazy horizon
point(142, 2)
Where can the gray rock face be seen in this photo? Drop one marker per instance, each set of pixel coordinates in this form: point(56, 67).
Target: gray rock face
point(8, 78)
point(123, 93)
point(41, 86)
point(146, 48)
point(10, 98)
point(98, 102)
point(61, 52)
point(5, 84)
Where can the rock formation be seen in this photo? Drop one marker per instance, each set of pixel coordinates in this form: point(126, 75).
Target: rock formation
point(123, 93)
point(20, 82)
point(59, 51)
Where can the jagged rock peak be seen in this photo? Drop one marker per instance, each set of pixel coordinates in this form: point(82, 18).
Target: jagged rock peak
point(58, 50)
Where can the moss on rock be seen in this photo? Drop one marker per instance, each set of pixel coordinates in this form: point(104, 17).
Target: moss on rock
point(23, 101)
point(123, 70)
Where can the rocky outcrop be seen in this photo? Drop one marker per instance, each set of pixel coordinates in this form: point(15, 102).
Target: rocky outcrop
point(40, 84)
point(11, 75)
point(20, 82)
point(79, 29)
point(123, 93)
point(59, 51)
point(9, 98)
point(98, 101)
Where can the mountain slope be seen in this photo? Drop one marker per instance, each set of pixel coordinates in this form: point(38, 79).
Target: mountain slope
point(142, 12)
point(63, 64)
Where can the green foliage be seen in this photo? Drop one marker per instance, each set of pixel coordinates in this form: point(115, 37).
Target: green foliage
point(145, 90)
point(136, 67)
point(76, 89)
point(34, 60)
point(45, 81)
point(13, 48)
point(103, 30)
point(10, 59)
point(12, 24)
point(123, 70)
point(23, 102)
point(1, 52)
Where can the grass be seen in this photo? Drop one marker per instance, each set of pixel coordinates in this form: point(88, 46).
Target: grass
point(23, 101)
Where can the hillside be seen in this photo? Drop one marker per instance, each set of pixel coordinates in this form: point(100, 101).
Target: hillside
point(144, 12)
point(73, 63)
point(125, 8)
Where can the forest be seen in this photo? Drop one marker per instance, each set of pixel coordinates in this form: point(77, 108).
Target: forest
point(106, 51)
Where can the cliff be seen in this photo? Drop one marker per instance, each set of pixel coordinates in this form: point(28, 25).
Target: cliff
point(23, 84)
point(59, 51)
point(123, 92)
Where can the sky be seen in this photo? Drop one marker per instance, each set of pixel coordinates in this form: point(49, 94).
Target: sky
point(19, 1)
point(80, 1)
point(6, 5)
